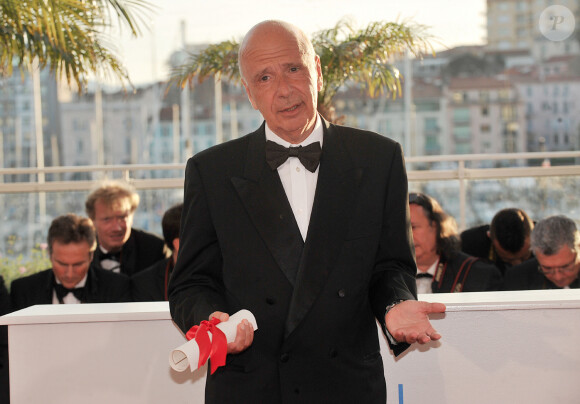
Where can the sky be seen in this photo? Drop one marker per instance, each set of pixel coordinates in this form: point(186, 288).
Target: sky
point(452, 22)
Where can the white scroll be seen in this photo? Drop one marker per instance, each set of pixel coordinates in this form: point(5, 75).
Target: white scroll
point(187, 355)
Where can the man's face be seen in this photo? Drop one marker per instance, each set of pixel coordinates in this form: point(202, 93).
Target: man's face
point(424, 236)
point(282, 83)
point(511, 258)
point(561, 268)
point(70, 262)
point(113, 224)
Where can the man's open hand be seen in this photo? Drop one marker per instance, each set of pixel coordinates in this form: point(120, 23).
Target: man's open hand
point(409, 321)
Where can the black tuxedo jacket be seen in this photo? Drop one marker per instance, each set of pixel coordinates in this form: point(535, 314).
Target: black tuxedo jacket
point(240, 248)
point(102, 287)
point(142, 250)
point(149, 285)
point(456, 273)
point(4, 309)
point(475, 242)
point(526, 276)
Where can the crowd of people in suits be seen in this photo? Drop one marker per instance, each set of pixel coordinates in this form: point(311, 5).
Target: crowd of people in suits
point(511, 253)
point(103, 259)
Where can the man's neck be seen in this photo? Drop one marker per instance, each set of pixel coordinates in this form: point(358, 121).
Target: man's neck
point(298, 136)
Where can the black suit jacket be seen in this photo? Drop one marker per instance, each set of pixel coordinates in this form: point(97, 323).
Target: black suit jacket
point(475, 242)
point(526, 276)
point(457, 273)
point(102, 287)
point(142, 250)
point(150, 284)
point(240, 248)
point(4, 309)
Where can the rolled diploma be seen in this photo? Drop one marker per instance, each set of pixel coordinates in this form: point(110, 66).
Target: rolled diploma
point(187, 355)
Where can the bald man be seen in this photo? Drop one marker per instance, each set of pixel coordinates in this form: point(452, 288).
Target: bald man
point(305, 224)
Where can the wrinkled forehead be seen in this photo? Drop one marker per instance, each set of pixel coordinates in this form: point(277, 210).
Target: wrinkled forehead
point(273, 40)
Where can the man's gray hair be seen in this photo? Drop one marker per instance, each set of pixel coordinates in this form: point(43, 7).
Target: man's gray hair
point(553, 233)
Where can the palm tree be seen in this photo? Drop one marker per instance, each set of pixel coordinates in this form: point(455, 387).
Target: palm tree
point(68, 36)
point(362, 56)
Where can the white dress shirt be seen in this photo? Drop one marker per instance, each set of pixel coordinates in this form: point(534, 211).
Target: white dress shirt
point(299, 183)
point(424, 284)
point(110, 264)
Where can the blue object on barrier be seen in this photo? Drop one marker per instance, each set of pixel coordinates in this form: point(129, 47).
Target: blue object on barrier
point(400, 394)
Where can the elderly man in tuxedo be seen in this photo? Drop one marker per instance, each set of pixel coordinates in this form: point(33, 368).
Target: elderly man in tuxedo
point(316, 249)
point(72, 279)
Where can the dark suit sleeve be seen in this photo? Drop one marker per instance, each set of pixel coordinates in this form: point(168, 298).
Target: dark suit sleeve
point(17, 293)
point(196, 288)
point(395, 268)
point(4, 309)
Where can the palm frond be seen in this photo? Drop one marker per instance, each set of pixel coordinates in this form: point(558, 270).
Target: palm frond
point(364, 56)
point(219, 60)
point(68, 36)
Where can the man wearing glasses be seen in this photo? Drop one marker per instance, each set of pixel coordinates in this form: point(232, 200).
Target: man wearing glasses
point(555, 243)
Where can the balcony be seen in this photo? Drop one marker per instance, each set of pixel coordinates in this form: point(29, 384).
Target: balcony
point(470, 187)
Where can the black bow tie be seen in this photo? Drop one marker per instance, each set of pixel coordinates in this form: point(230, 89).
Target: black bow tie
point(423, 275)
point(309, 155)
point(62, 291)
point(115, 256)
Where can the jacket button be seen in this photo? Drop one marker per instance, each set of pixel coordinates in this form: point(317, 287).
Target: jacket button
point(284, 358)
point(270, 301)
point(333, 353)
point(341, 293)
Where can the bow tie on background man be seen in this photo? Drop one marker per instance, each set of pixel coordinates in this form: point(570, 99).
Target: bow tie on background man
point(62, 291)
point(424, 275)
point(309, 155)
point(115, 256)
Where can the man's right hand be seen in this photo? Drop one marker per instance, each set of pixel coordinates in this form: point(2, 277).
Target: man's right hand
point(244, 334)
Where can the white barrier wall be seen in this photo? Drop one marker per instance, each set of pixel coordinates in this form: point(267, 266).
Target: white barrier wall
point(500, 347)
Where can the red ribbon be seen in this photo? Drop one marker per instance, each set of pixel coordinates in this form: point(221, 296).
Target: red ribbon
point(216, 349)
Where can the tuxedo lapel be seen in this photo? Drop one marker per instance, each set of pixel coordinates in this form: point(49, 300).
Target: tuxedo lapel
point(336, 192)
point(129, 256)
point(263, 197)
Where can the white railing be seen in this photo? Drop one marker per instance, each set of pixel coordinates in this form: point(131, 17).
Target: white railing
point(461, 171)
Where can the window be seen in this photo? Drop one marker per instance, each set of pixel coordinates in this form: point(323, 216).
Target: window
point(431, 124)
point(462, 133)
point(461, 115)
point(462, 148)
point(484, 96)
point(504, 94)
point(508, 113)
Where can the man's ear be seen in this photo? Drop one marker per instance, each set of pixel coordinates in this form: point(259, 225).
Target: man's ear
point(249, 94)
point(320, 79)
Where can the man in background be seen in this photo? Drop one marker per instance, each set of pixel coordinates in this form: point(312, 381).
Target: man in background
point(505, 243)
point(72, 279)
point(442, 268)
point(555, 242)
point(121, 248)
point(151, 284)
